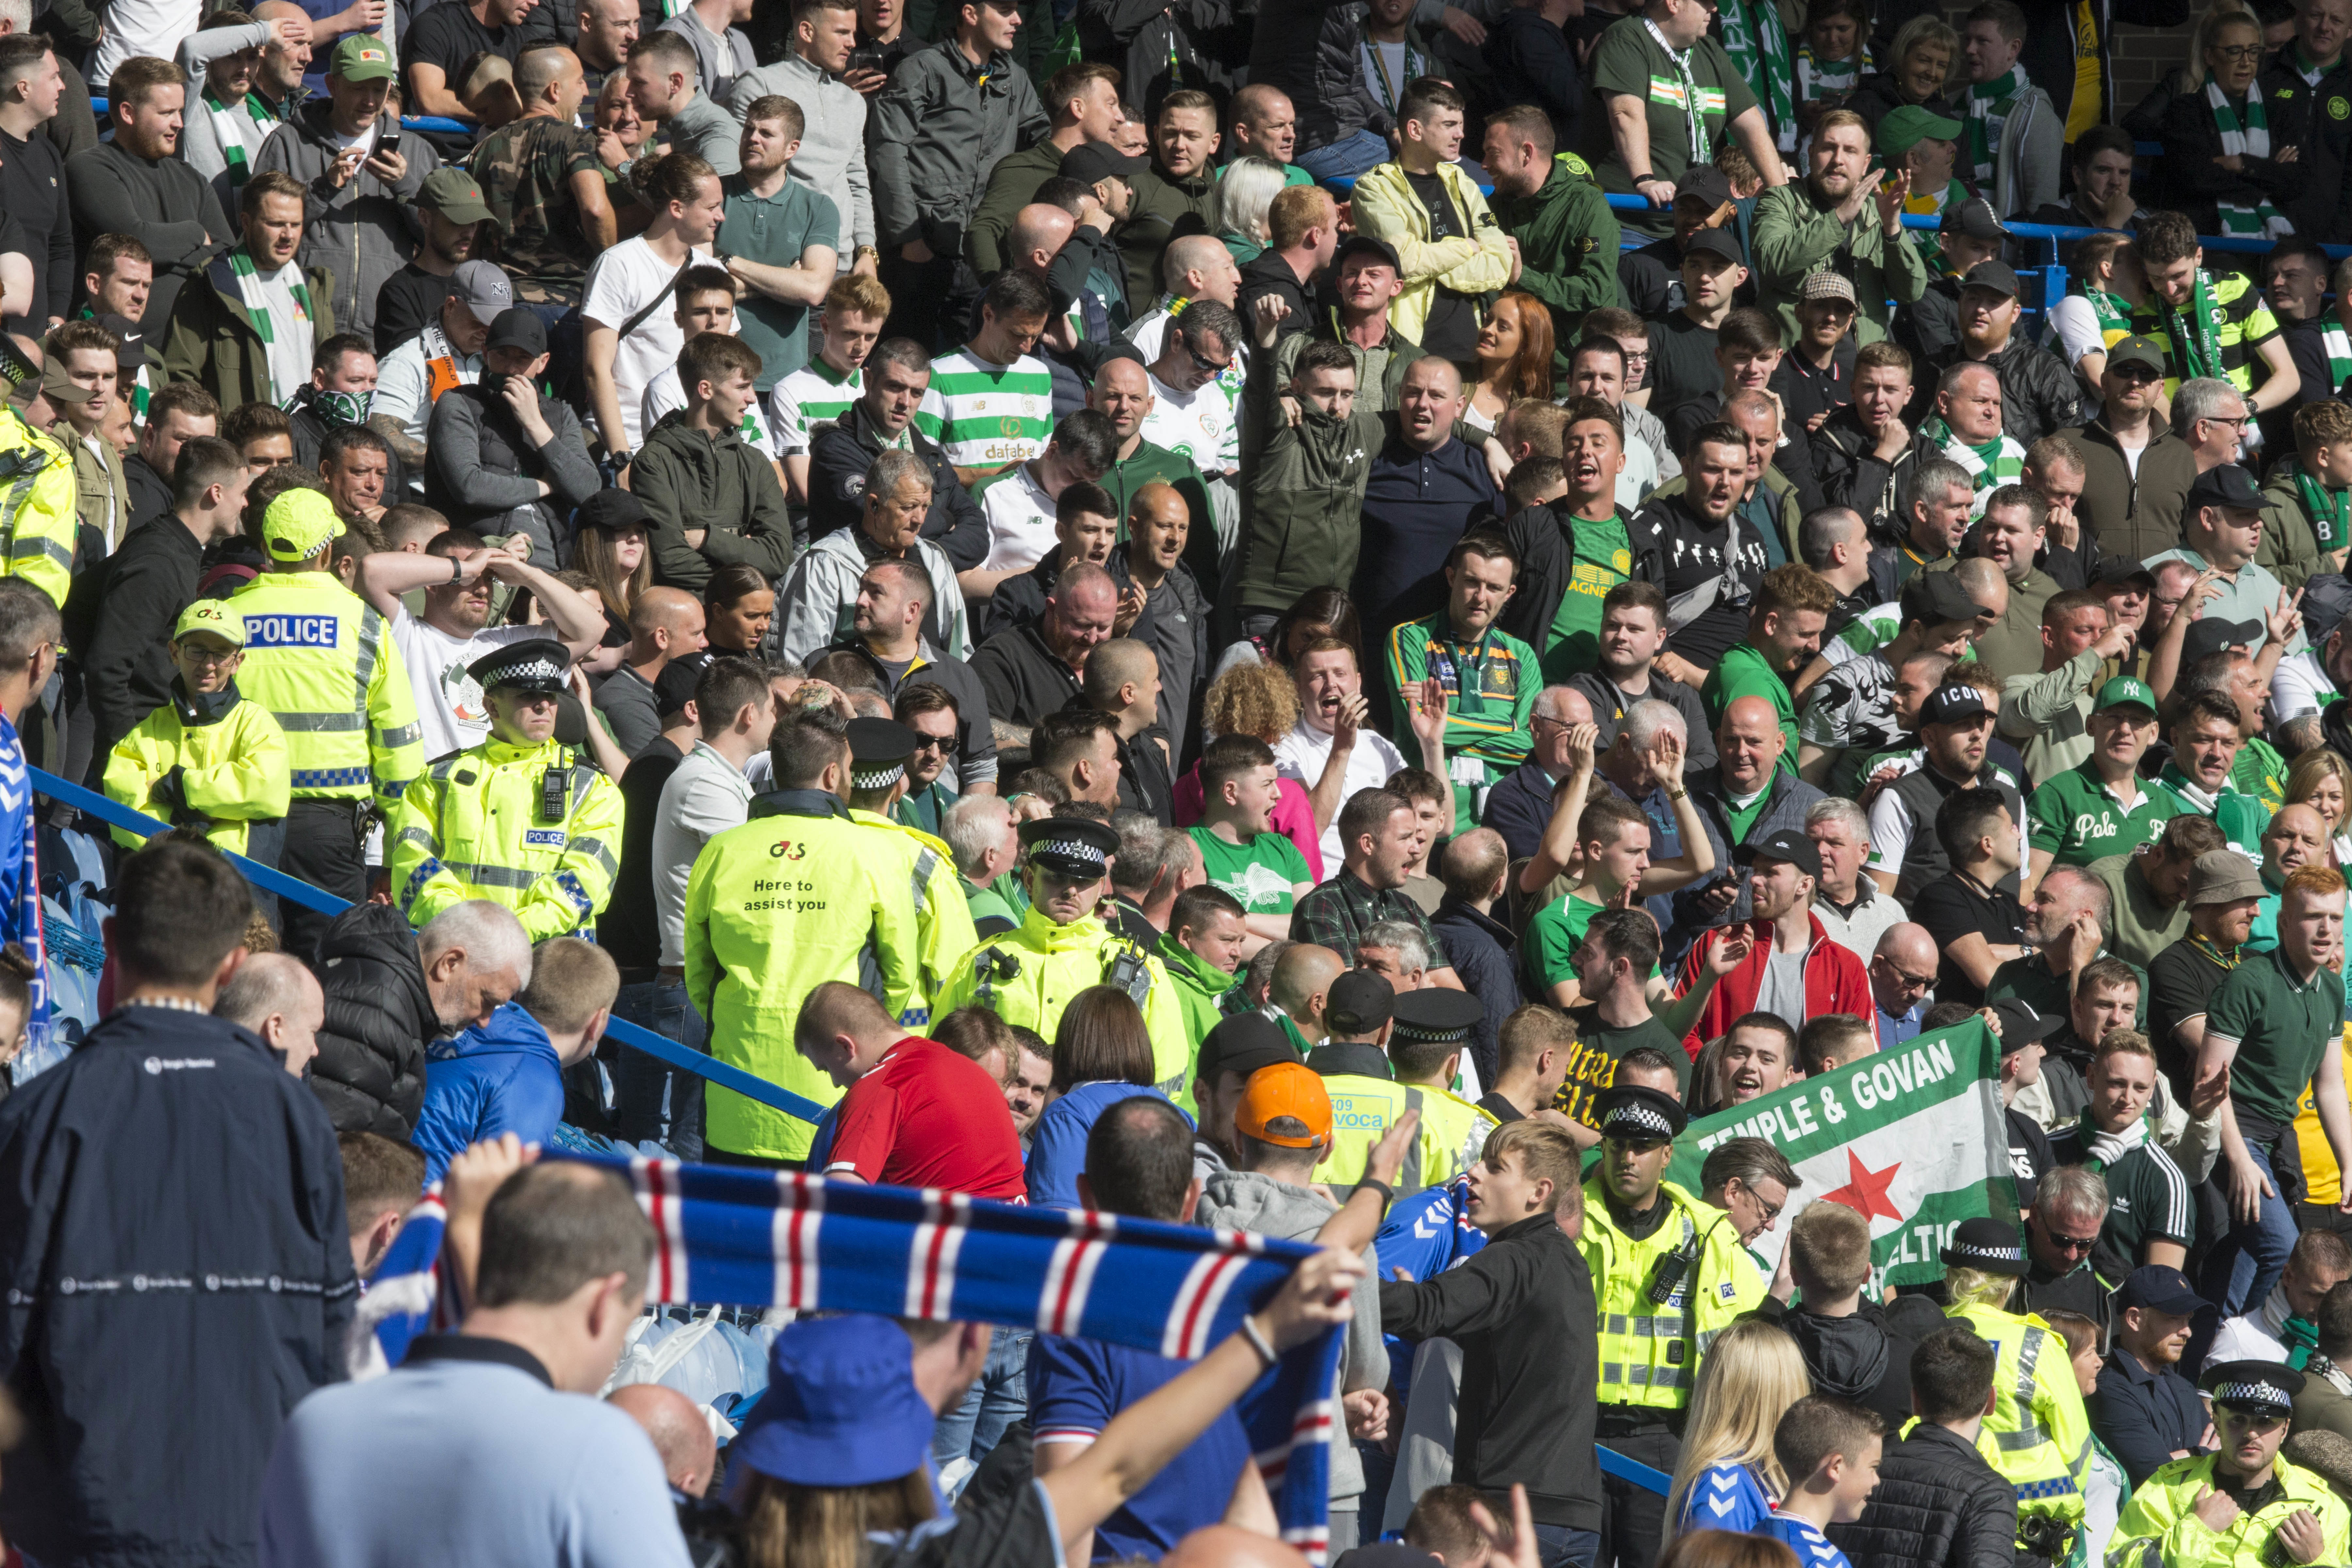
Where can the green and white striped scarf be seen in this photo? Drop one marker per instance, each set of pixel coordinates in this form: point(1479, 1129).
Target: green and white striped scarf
point(2339, 345)
point(228, 134)
point(1998, 462)
point(1988, 106)
point(2245, 136)
point(256, 300)
point(1818, 79)
point(2195, 332)
point(2330, 511)
point(1684, 91)
point(1759, 53)
point(2113, 312)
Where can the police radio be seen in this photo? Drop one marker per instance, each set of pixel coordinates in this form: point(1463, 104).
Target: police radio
point(1127, 972)
point(991, 966)
point(551, 787)
point(1667, 1278)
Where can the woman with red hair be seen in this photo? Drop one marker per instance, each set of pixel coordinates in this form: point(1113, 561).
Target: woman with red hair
point(1514, 359)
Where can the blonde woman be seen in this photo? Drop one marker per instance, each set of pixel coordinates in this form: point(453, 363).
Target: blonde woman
point(1727, 1478)
point(2321, 779)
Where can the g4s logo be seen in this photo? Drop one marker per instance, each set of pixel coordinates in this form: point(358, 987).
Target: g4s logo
point(785, 850)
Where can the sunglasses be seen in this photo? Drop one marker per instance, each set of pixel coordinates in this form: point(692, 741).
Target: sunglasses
point(945, 745)
point(2071, 1244)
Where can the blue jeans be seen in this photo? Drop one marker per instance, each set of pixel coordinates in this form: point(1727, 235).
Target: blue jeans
point(997, 1398)
point(1561, 1547)
point(1346, 158)
point(2241, 1271)
point(657, 1101)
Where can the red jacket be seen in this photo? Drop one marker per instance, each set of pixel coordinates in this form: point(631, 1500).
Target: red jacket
point(1835, 982)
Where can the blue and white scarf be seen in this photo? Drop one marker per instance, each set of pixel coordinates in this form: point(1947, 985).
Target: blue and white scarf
point(749, 1239)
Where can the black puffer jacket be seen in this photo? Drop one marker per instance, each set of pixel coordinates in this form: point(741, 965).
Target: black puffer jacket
point(370, 1071)
point(1939, 1505)
point(2039, 396)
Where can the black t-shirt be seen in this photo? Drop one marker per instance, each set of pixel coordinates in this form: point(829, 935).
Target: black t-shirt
point(2182, 981)
point(1807, 392)
point(1950, 909)
point(2029, 1150)
point(447, 37)
point(1452, 332)
point(1682, 362)
point(409, 301)
point(1593, 1065)
point(1495, 1105)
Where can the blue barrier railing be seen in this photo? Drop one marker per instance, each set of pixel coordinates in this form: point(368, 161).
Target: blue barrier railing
point(1613, 1463)
point(668, 1052)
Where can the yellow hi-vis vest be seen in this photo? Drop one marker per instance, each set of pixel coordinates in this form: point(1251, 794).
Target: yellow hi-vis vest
point(1365, 1106)
point(1030, 973)
point(475, 826)
point(40, 508)
point(773, 910)
point(2038, 1435)
point(316, 657)
point(2161, 1513)
point(942, 918)
point(233, 771)
point(1650, 1350)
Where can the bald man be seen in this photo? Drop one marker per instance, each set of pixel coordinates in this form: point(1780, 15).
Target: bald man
point(1426, 489)
point(1036, 237)
point(665, 624)
point(1302, 982)
point(1159, 532)
point(279, 999)
point(1746, 767)
point(1901, 973)
point(680, 1431)
point(1196, 267)
point(1122, 680)
point(1122, 393)
point(1230, 1546)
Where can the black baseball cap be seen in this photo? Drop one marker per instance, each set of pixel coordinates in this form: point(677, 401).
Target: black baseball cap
point(1998, 276)
point(517, 326)
point(1713, 242)
point(1973, 217)
point(1358, 1002)
point(2326, 600)
point(1090, 162)
point(1953, 704)
point(1380, 250)
point(2022, 1024)
point(673, 687)
point(2208, 636)
point(2143, 351)
point(1782, 844)
point(2165, 1289)
point(2229, 486)
point(1938, 598)
point(1242, 1043)
point(1705, 182)
point(2123, 569)
point(613, 507)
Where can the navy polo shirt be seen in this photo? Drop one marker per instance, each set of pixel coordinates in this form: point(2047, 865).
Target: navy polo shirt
point(1417, 505)
point(2143, 1415)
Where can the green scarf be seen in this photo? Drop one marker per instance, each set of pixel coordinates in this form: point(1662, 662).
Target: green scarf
point(2195, 332)
point(2302, 1340)
point(1988, 106)
point(1390, 91)
point(1819, 79)
point(2332, 339)
point(226, 132)
point(2245, 136)
point(1759, 53)
point(2327, 508)
point(2113, 312)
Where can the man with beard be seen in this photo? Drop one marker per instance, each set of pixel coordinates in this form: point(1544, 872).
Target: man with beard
point(1928, 501)
point(1577, 550)
point(1484, 678)
point(2135, 471)
point(449, 211)
point(1714, 562)
point(2010, 536)
point(2065, 928)
point(1650, 277)
point(1907, 846)
point(1843, 216)
point(1792, 970)
point(2223, 894)
point(2037, 394)
point(2144, 1411)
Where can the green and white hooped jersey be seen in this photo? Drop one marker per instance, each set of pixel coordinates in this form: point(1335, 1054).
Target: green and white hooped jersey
point(1873, 630)
point(985, 416)
point(809, 396)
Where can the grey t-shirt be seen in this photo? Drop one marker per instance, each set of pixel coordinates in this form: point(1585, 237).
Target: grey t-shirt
point(1782, 993)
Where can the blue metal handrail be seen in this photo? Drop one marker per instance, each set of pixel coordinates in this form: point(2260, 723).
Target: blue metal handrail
point(637, 1039)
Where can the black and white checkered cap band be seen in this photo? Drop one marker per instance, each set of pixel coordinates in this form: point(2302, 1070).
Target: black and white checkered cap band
point(1968, 1251)
point(1073, 849)
point(1425, 1035)
point(876, 778)
point(2253, 1394)
point(1638, 1118)
point(516, 674)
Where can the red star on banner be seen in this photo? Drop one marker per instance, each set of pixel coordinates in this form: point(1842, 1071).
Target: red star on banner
point(1865, 1192)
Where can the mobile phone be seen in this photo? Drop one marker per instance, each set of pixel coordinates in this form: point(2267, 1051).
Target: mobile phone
point(388, 140)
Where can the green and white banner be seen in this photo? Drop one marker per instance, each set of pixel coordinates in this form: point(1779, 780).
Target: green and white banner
point(1912, 1139)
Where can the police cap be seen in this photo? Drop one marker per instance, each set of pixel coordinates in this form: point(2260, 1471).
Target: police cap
point(879, 750)
point(1988, 1246)
point(1635, 1111)
point(2257, 1387)
point(536, 664)
point(1070, 844)
point(1436, 1017)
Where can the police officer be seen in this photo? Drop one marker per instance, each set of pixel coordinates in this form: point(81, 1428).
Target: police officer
point(879, 750)
point(208, 758)
point(2252, 1507)
point(1430, 1030)
point(40, 503)
point(318, 657)
point(1062, 946)
point(518, 820)
point(2038, 1435)
point(793, 898)
point(1668, 1275)
point(1366, 1098)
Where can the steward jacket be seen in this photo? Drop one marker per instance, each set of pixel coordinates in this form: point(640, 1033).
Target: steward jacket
point(212, 340)
point(793, 898)
point(687, 478)
point(840, 453)
point(370, 1069)
point(1029, 975)
point(1545, 537)
point(943, 930)
point(178, 1278)
point(1202, 989)
point(1367, 1100)
point(1939, 1505)
point(315, 655)
point(1568, 250)
point(1795, 236)
point(936, 134)
point(1836, 980)
point(2160, 1520)
point(218, 763)
point(1523, 1309)
point(1650, 1351)
point(38, 508)
point(479, 826)
point(1476, 262)
point(2038, 1435)
point(490, 1079)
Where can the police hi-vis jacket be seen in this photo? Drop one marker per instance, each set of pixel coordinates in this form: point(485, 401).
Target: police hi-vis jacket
point(1030, 973)
point(316, 657)
point(527, 827)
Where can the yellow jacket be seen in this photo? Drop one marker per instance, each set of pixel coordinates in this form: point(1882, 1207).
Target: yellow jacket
point(2161, 1513)
point(1057, 962)
point(943, 928)
point(223, 771)
point(773, 910)
point(41, 507)
point(2037, 1436)
point(1650, 1351)
point(320, 659)
point(1386, 208)
point(473, 827)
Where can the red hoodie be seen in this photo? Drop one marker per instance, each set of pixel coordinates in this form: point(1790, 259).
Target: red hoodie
point(1835, 982)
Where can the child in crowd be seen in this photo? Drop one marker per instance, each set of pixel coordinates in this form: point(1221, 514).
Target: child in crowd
point(1829, 1449)
point(207, 758)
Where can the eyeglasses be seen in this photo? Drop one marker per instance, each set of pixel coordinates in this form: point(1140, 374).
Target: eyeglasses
point(2237, 421)
point(1771, 1210)
point(943, 744)
point(2240, 52)
point(202, 655)
point(1207, 365)
point(1909, 980)
point(2136, 374)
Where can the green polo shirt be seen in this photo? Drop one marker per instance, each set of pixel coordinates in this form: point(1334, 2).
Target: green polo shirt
point(1553, 937)
point(2076, 817)
point(2282, 1024)
point(2029, 980)
point(1743, 671)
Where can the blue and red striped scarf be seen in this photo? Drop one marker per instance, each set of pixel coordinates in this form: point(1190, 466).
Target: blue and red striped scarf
point(749, 1239)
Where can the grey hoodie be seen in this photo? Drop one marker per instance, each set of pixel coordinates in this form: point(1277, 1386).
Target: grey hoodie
point(361, 231)
point(1245, 1200)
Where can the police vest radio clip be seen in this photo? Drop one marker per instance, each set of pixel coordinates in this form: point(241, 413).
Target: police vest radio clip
point(991, 967)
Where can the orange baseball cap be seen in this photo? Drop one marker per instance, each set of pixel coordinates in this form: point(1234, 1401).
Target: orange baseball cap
point(1285, 1088)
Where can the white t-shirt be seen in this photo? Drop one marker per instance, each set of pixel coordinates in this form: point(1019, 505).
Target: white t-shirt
point(1198, 424)
point(1149, 336)
point(620, 284)
point(449, 708)
point(666, 393)
point(1020, 521)
point(290, 340)
point(2299, 687)
point(2077, 327)
point(1301, 755)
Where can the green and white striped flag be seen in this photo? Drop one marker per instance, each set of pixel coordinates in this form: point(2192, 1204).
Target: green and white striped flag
point(1912, 1139)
